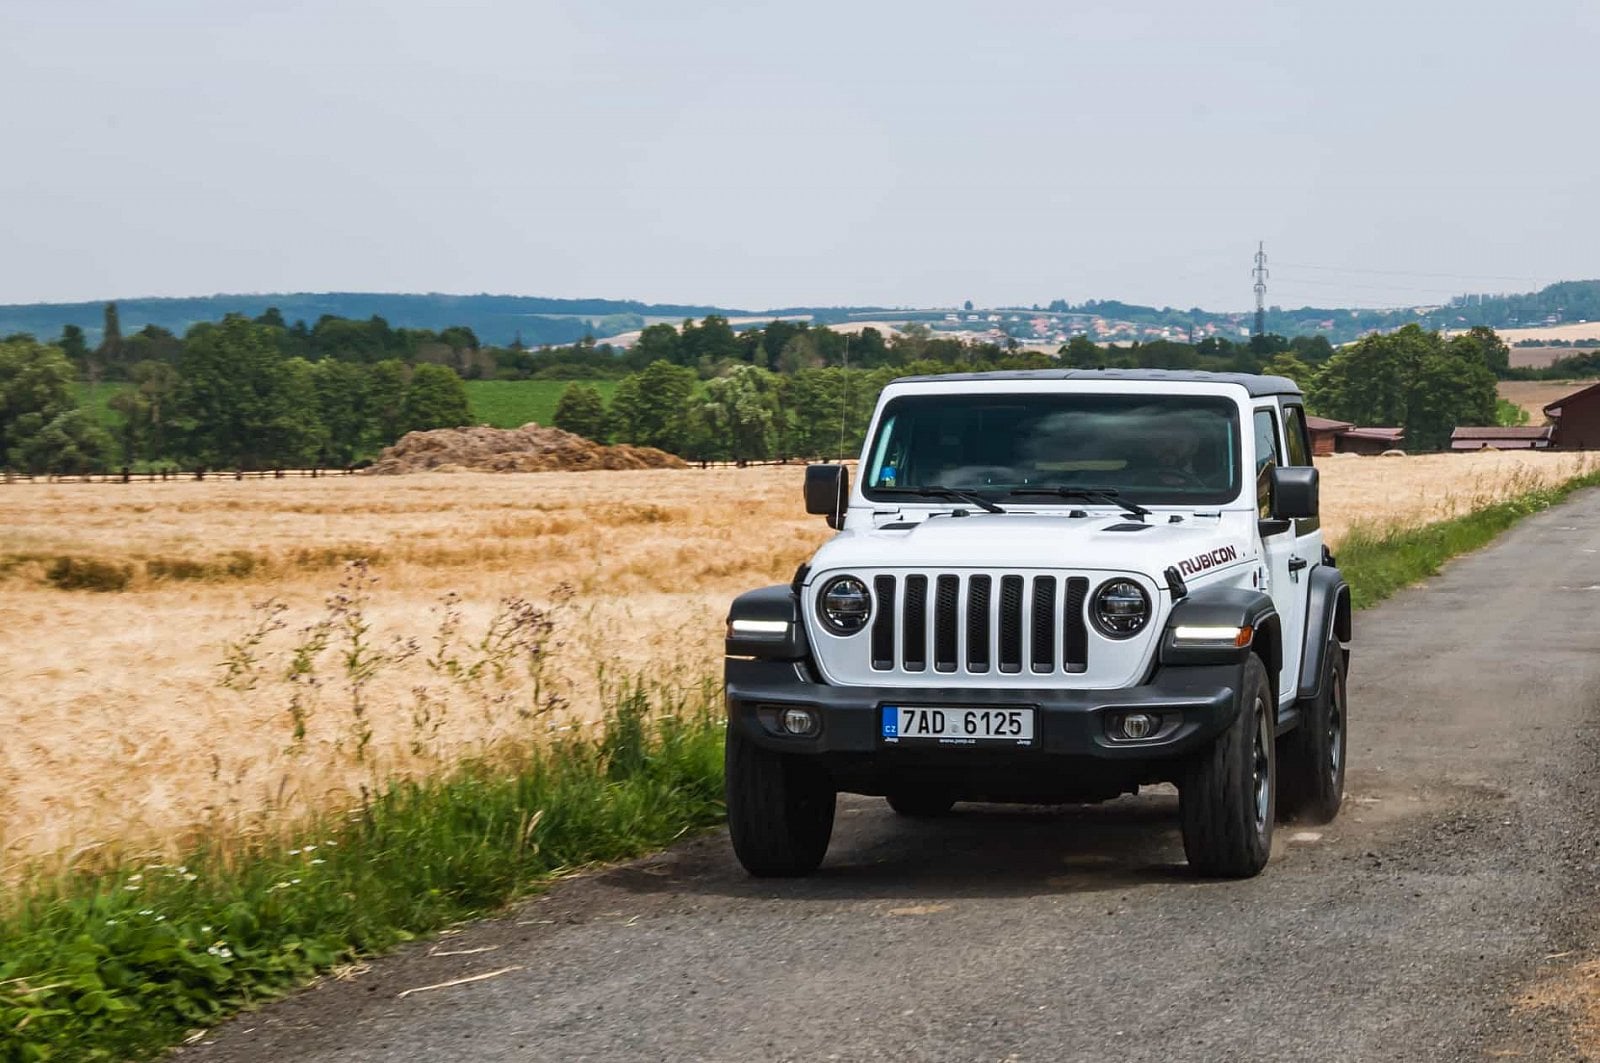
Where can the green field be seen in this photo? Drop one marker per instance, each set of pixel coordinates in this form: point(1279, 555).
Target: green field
point(513, 403)
point(502, 403)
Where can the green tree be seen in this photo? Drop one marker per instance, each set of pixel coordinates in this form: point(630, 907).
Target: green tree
point(622, 416)
point(152, 344)
point(144, 409)
point(1365, 383)
point(657, 343)
point(73, 344)
point(1409, 378)
point(240, 403)
point(654, 411)
point(582, 411)
point(1485, 345)
point(1287, 365)
point(110, 349)
point(435, 398)
point(1081, 352)
point(799, 352)
point(343, 397)
point(386, 399)
point(740, 412)
point(42, 428)
point(709, 345)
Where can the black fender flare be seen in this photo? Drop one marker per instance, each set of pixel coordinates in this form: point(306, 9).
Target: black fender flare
point(781, 603)
point(1237, 607)
point(1327, 620)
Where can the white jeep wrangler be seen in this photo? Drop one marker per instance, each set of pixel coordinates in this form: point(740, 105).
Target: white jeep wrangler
point(1052, 586)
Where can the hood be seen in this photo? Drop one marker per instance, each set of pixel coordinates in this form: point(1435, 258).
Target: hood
point(1107, 542)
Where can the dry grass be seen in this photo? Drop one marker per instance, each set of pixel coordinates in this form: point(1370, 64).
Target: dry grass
point(1535, 395)
point(119, 731)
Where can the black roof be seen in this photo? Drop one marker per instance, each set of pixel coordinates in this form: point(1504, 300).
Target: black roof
point(1253, 383)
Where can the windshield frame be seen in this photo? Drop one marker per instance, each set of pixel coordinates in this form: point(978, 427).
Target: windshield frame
point(1218, 499)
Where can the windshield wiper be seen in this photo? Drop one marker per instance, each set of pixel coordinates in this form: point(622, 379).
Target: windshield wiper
point(940, 491)
point(1105, 495)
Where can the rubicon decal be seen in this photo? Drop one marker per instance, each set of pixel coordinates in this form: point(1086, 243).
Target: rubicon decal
point(1193, 566)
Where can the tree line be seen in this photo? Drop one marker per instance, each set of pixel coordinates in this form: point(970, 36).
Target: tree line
point(229, 394)
point(261, 392)
point(764, 400)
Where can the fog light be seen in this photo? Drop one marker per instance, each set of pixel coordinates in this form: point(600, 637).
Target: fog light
point(798, 721)
point(1137, 725)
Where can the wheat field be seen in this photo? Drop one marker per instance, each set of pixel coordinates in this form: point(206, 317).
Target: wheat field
point(188, 700)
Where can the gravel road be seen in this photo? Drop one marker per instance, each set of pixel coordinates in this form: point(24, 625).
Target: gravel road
point(1447, 914)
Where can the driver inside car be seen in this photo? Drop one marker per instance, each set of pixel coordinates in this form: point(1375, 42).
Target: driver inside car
point(1172, 450)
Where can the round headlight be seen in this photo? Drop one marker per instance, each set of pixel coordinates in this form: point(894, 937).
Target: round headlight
point(844, 605)
point(1120, 609)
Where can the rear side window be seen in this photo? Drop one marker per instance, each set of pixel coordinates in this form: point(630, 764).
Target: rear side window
point(1294, 429)
point(1268, 455)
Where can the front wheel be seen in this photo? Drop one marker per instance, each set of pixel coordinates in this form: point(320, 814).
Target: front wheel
point(1228, 792)
point(1312, 764)
point(780, 809)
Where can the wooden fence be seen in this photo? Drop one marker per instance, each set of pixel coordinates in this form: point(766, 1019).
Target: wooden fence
point(126, 476)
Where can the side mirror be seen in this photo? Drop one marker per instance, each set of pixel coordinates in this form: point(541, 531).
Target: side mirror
point(1294, 493)
point(828, 491)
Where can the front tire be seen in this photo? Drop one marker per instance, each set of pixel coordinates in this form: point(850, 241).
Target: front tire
point(780, 809)
point(1312, 765)
point(1226, 800)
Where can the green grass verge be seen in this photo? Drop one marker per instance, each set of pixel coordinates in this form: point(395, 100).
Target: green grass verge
point(1379, 564)
point(513, 403)
point(123, 964)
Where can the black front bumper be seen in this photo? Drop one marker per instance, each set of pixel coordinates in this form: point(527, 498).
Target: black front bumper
point(1195, 704)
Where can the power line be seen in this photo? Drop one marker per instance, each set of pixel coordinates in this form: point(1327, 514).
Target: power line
point(1414, 273)
point(1298, 281)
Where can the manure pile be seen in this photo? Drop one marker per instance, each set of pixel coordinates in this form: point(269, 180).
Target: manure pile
point(531, 448)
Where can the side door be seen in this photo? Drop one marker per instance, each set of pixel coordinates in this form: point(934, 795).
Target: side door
point(1285, 569)
point(1307, 532)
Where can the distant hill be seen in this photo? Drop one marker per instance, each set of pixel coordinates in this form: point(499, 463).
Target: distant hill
point(500, 319)
point(496, 319)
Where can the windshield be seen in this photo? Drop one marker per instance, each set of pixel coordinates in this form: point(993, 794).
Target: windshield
point(1155, 449)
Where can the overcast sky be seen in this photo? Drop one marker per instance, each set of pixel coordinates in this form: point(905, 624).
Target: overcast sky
point(761, 154)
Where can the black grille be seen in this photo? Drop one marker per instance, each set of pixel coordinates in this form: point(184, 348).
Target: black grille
point(915, 652)
point(1037, 625)
point(883, 623)
point(978, 623)
point(1011, 623)
point(1075, 631)
point(945, 592)
point(1043, 649)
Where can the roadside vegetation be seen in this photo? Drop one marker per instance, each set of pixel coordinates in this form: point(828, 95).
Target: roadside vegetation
point(1381, 560)
point(108, 953)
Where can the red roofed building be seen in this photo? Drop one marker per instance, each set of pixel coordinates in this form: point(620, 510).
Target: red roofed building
point(1518, 437)
point(1576, 420)
point(1342, 437)
point(1370, 440)
point(1325, 434)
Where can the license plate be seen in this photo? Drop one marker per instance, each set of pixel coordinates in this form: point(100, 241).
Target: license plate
point(957, 727)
